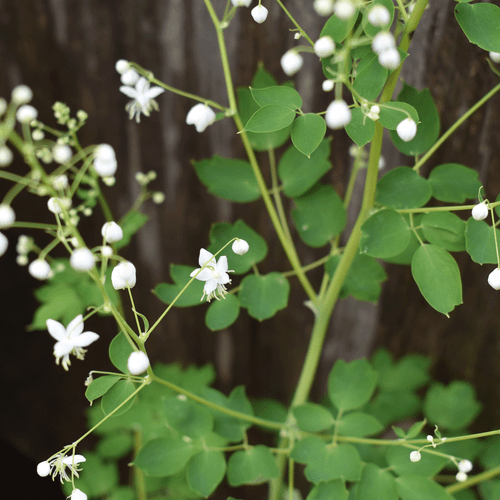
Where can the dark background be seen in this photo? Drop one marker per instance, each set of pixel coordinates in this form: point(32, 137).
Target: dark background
point(66, 50)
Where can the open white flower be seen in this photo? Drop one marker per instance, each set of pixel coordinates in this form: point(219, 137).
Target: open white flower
point(201, 116)
point(143, 98)
point(213, 273)
point(70, 340)
point(59, 463)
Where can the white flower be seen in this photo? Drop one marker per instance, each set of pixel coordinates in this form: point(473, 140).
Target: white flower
point(82, 259)
point(143, 98)
point(105, 163)
point(494, 279)
point(106, 251)
point(213, 273)
point(338, 114)
point(324, 46)
point(137, 363)
point(6, 156)
point(323, 7)
point(57, 205)
point(379, 16)
point(241, 3)
point(26, 114)
point(383, 40)
point(480, 211)
point(344, 9)
point(22, 94)
point(201, 116)
point(407, 129)
point(461, 476)
point(495, 57)
point(4, 243)
point(415, 456)
point(389, 58)
point(111, 232)
point(123, 276)
point(291, 62)
point(122, 66)
point(130, 77)
point(70, 340)
point(465, 465)
point(240, 247)
point(60, 182)
point(77, 494)
point(7, 216)
point(43, 469)
point(327, 85)
point(40, 269)
point(374, 113)
point(59, 463)
point(61, 153)
point(259, 14)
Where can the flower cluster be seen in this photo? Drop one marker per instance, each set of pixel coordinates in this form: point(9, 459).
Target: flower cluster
point(384, 45)
point(59, 464)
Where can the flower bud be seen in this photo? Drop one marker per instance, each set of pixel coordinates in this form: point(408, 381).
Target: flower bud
point(344, 9)
point(57, 205)
point(82, 259)
point(40, 269)
point(291, 62)
point(480, 211)
point(389, 58)
point(43, 469)
point(60, 182)
point(382, 41)
point(201, 116)
point(240, 247)
point(106, 251)
point(415, 456)
point(6, 156)
point(122, 66)
point(241, 3)
point(379, 16)
point(338, 114)
point(494, 279)
point(61, 153)
point(4, 243)
point(324, 46)
point(323, 7)
point(259, 14)
point(137, 363)
point(105, 160)
point(407, 129)
point(26, 114)
point(22, 94)
point(111, 232)
point(374, 113)
point(465, 466)
point(327, 85)
point(130, 77)
point(461, 476)
point(495, 57)
point(7, 216)
point(123, 276)
point(77, 494)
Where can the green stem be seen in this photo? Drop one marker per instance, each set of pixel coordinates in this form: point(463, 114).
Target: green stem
point(471, 481)
point(302, 32)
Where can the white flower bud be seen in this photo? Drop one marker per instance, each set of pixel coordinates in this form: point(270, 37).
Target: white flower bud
point(374, 113)
point(158, 197)
point(382, 41)
point(61, 153)
point(3, 106)
point(4, 243)
point(494, 279)
point(22, 94)
point(480, 211)
point(240, 247)
point(461, 476)
point(7, 216)
point(43, 469)
point(324, 46)
point(495, 57)
point(241, 3)
point(106, 251)
point(105, 152)
point(327, 85)
point(111, 232)
point(105, 160)
point(26, 114)
point(407, 129)
point(60, 182)
point(122, 66)
point(323, 7)
point(338, 114)
point(6, 156)
point(82, 259)
point(344, 9)
point(77, 494)
point(38, 135)
point(40, 269)
point(291, 62)
point(130, 77)
point(465, 466)
point(415, 456)
point(259, 14)
point(137, 363)
point(201, 116)
point(379, 16)
point(389, 58)
point(57, 205)
point(123, 275)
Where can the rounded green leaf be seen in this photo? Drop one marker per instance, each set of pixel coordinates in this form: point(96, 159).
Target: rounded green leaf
point(307, 133)
point(167, 292)
point(444, 229)
point(452, 407)
point(401, 188)
point(480, 23)
point(359, 424)
point(351, 385)
point(278, 96)
point(320, 215)
point(454, 183)
point(360, 129)
point(338, 28)
point(115, 445)
point(328, 490)
point(438, 277)
point(384, 234)
point(228, 178)
point(308, 449)
point(370, 77)
point(270, 119)
point(252, 466)
point(222, 313)
point(264, 295)
point(163, 456)
point(414, 487)
point(205, 471)
point(376, 483)
point(298, 173)
point(100, 386)
point(187, 417)
point(119, 393)
point(312, 417)
point(394, 112)
point(390, 407)
point(409, 373)
point(480, 241)
point(119, 351)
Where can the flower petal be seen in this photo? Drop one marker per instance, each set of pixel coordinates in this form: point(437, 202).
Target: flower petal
point(56, 329)
point(141, 84)
point(75, 327)
point(129, 91)
point(210, 286)
point(222, 264)
point(85, 339)
point(74, 459)
point(205, 256)
point(154, 92)
point(205, 274)
point(63, 348)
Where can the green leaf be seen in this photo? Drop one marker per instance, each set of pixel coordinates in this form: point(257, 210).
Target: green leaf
point(308, 449)
point(228, 178)
point(299, 173)
point(312, 417)
point(370, 77)
point(480, 23)
point(100, 386)
point(130, 223)
point(270, 409)
point(394, 112)
point(480, 241)
point(223, 232)
point(119, 351)
point(437, 275)
point(331, 489)
point(270, 119)
point(163, 456)
point(119, 393)
point(222, 314)
point(376, 484)
point(338, 28)
point(358, 424)
point(414, 487)
point(264, 295)
point(277, 96)
point(402, 188)
point(360, 129)
point(444, 229)
point(320, 215)
point(205, 471)
point(389, 407)
point(187, 417)
point(115, 445)
point(307, 133)
point(251, 466)
point(384, 234)
point(428, 128)
point(452, 407)
point(180, 275)
point(399, 461)
point(351, 385)
point(454, 183)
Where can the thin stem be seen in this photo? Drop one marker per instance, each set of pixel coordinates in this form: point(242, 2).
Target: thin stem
point(302, 32)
